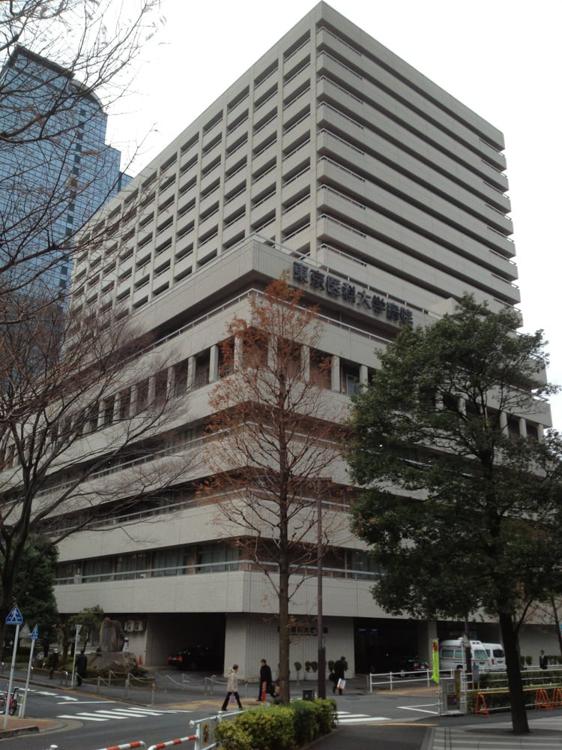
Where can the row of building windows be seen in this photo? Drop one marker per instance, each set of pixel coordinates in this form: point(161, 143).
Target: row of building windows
point(198, 559)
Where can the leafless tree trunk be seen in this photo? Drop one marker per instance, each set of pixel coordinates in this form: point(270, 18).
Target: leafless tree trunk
point(277, 443)
point(76, 403)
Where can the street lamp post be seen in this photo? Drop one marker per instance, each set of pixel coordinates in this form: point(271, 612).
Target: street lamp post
point(321, 688)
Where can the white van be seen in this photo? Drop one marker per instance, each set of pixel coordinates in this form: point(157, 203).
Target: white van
point(496, 655)
point(452, 655)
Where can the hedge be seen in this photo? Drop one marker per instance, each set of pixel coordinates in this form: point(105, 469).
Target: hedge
point(278, 727)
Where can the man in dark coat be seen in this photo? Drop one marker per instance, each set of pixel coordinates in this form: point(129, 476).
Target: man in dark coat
point(266, 681)
point(339, 674)
point(81, 667)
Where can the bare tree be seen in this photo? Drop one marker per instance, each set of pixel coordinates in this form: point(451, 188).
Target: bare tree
point(276, 444)
point(78, 428)
point(62, 61)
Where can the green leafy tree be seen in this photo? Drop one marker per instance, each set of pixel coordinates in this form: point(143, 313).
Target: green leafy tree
point(34, 581)
point(90, 619)
point(462, 512)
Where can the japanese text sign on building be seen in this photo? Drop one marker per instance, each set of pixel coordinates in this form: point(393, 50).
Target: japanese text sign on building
point(346, 292)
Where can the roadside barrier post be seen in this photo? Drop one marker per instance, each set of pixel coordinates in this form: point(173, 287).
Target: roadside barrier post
point(173, 743)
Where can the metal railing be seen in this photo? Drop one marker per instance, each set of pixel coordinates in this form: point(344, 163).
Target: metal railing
point(393, 680)
point(224, 566)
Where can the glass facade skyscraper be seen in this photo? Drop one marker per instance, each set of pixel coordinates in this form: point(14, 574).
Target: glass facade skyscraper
point(55, 168)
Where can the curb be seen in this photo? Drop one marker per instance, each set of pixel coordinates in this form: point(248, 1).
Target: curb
point(31, 729)
point(315, 742)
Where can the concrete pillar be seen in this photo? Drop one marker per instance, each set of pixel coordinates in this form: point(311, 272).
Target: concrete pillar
point(364, 375)
point(116, 407)
point(523, 427)
point(214, 363)
point(540, 432)
point(427, 632)
point(336, 374)
point(305, 363)
point(190, 372)
point(101, 414)
point(151, 390)
point(238, 349)
point(133, 403)
point(170, 382)
point(503, 422)
point(272, 352)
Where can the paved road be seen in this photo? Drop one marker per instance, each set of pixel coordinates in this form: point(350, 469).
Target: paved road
point(91, 721)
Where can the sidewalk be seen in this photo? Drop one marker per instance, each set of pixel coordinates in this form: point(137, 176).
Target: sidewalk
point(546, 734)
point(25, 726)
point(170, 689)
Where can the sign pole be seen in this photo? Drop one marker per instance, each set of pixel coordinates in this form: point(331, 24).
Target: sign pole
point(34, 636)
point(77, 633)
point(11, 680)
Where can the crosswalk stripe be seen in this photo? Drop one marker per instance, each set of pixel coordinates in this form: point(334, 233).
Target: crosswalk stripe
point(351, 716)
point(103, 715)
point(82, 718)
point(140, 714)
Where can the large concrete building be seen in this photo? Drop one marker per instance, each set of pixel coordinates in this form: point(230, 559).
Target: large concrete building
point(384, 198)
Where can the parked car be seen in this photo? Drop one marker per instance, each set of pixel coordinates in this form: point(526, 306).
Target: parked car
point(496, 656)
point(413, 664)
point(195, 658)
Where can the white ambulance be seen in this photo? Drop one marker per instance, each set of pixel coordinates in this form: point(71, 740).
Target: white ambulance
point(452, 655)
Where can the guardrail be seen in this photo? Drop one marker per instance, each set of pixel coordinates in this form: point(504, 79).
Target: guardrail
point(393, 680)
point(172, 743)
point(205, 729)
point(126, 746)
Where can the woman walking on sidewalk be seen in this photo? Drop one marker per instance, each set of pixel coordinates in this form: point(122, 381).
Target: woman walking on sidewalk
point(232, 687)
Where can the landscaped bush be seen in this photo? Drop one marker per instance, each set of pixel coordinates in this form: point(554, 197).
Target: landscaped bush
point(278, 727)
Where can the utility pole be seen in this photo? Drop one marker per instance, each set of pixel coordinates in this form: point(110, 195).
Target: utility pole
point(321, 689)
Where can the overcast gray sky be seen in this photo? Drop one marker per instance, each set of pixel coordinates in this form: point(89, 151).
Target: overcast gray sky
point(502, 58)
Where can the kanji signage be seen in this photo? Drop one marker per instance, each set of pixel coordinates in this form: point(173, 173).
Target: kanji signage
point(346, 292)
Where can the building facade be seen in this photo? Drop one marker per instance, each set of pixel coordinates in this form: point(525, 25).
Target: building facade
point(56, 170)
point(382, 197)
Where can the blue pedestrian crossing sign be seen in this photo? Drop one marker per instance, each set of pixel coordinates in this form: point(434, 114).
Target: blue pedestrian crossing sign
point(14, 617)
point(35, 633)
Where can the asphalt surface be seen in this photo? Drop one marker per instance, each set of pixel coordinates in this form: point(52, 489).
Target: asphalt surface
point(87, 721)
point(404, 719)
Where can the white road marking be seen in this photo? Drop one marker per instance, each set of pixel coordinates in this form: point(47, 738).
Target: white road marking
point(80, 703)
point(420, 708)
point(345, 717)
point(140, 714)
point(82, 718)
point(103, 715)
point(45, 692)
point(66, 698)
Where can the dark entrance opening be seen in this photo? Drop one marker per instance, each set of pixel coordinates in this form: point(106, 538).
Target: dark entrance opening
point(203, 634)
point(383, 645)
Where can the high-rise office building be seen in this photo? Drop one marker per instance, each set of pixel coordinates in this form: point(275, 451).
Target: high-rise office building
point(384, 198)
point(55, 169)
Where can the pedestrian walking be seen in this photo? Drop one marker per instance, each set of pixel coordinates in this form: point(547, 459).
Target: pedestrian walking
point(266, 681)
point(339, 675)
point(53, 663)
point(232, 687)
point(81, 667)
point(543, 660)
